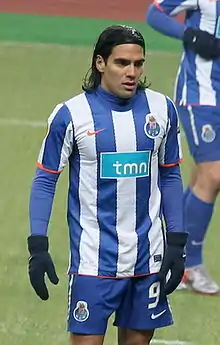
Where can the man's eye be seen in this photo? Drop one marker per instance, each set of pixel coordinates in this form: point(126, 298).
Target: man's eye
point(139, 64)
point(122, 62)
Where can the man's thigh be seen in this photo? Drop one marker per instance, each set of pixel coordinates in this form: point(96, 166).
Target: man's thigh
point(91, 302)
point(201, 125)
point(142, 307)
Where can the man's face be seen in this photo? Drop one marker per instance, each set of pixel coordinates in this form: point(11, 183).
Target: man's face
point(121, 72)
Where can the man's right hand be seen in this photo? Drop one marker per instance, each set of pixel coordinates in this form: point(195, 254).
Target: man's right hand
point(40, 262)
point(202, 43)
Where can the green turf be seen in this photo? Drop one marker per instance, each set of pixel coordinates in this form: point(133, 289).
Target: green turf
point(70, 30)
point(34, 77)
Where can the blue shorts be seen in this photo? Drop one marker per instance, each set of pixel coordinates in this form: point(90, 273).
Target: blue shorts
point(135, 301)
point(201, 125)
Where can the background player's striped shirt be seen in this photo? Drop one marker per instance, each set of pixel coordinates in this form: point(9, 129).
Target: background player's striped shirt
point(198, 80)
point(114, 151)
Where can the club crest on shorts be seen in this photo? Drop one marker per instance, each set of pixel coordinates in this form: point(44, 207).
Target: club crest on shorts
point(208, 134)
point(151, 127)
point(81, 312)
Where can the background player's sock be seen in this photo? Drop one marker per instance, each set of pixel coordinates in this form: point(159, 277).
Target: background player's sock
point(197, 216)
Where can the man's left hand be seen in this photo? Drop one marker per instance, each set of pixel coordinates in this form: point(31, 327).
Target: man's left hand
point(173, 261)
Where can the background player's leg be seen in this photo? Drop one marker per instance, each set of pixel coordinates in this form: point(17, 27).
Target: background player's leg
point(201, 194)
point(193, 176)
point(192, 182)
point(133, 337)
point(198, 211)
point(81, 339)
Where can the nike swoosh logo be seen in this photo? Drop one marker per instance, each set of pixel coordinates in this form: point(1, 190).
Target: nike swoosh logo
point(89, 133)
point(155, 316)
point(194, 243)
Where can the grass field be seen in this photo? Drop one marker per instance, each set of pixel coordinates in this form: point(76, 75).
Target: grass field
point(34, 77)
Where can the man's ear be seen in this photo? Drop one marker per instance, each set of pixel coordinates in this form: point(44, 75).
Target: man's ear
point(100, 63)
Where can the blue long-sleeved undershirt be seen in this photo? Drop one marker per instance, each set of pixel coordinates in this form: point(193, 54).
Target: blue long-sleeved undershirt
point(172, 198)
point(41, 201)
point(171, 183)
point(44, 186)
point(163, 23)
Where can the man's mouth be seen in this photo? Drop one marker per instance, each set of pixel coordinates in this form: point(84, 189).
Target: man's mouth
point(129, 84)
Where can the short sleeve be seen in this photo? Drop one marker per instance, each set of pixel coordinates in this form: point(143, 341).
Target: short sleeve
point(173, 7)
point(57, 145)
point(170, 151)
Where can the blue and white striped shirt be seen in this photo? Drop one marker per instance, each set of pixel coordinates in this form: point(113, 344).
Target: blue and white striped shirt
point(114, 151)
point(198, 80)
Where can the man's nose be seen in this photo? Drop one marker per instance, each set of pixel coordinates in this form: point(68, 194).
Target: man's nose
point(131, 70)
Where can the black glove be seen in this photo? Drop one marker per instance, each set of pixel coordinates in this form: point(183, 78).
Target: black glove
point(40, 262)
point(173, 261)
point(202, 42)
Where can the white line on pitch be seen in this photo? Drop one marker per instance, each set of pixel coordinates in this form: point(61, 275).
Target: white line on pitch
point(22, 123)
point(170, 342)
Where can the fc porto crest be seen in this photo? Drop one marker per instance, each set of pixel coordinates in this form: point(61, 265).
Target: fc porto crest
point(208, 134)
point(81, 312)
point(151, 126)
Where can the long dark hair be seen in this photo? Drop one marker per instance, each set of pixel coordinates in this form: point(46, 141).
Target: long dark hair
point(109, 38)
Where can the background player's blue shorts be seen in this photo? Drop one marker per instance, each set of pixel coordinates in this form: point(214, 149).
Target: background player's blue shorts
point(135, 301)
point(201, 125)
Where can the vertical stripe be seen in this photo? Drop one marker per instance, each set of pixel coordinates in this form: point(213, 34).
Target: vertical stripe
point(89, 242)
point(180, 83)
point(193, 125)
point(73, 214)
point(70, 288)
point(171, 143)
point(154, 99)
point(216, 63)
point(106, 188)
point(69, 262)
point(143, 222)
point(192, 84)
point(162, 153)
point(155, 234)
point(208, 16)
point(184, 93)
point(87, 189)
point(179, 144)
point(126, 197)
point(207, 94)
point(189, 63)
